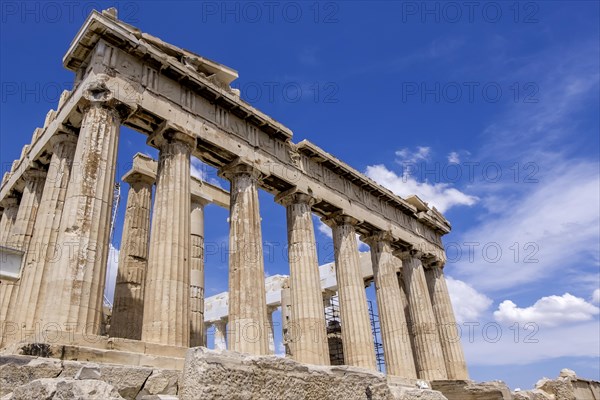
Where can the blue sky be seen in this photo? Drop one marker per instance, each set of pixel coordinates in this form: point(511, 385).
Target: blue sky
point(490, 112)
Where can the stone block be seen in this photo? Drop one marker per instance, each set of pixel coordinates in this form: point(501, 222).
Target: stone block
point(469, 390)
point(216, 374)
point(60, 388)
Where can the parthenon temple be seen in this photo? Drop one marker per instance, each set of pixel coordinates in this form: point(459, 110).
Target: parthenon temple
point(57, 202)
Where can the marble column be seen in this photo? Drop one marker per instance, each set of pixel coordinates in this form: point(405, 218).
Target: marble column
point(271, 330)
point(220, 335)
point(394, 330)
point(456, 366)
point(167, 287)
point(31, 294)
point(11, 208)
point(21, 234)
point(197, 273)
point(357, 337)
point(429, 359)
point(22, 230)
point(76, 275)
point(248, 325)
point(409, 324)
point(307, 313)
point(128, 304)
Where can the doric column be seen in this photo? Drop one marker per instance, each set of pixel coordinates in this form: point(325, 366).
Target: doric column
point(11, 208)
point(167, 287)
point(407, 317)
point(248, 324)
point(394, 330)
point(220, 335)
point(271, 330)
point(22, 230)
point(307, 313)
point(456, 366)
point(197, 273)
point(31, 294)
point(429, 359)
point(357, 338)
point(128, 304)
point(77, 275)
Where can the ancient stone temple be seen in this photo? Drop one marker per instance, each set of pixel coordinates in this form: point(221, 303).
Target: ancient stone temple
point(54, 232)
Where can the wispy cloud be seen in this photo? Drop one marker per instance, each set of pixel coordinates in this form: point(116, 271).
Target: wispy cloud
point(440, 195)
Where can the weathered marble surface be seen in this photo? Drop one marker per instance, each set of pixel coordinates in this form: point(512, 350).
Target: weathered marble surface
point(213, 374)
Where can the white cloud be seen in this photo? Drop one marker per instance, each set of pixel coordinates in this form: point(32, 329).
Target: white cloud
point(198, 169)
point(202, 171)
point(596, 296)
point(468, 304)
point(441, 195)
point(406, 156)
point(551, 227)
point(454, 158)
point(324, 229)
point(548, 311)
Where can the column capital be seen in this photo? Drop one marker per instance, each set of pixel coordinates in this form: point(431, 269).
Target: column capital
point(132, 177)
point(294, 196)
point(407, 255)
point(9, 201)
point(377, 237)
point(63, 136)
point(338, 218)
point(272, 308)
point(33, 174)
point(240, 167)
point(168, 132)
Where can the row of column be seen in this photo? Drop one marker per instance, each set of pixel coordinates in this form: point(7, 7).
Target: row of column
point(66, 289)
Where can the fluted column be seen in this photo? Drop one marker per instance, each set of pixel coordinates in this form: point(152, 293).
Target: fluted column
point(22, 230)
point(128, 304)
point(197, 274)
point(271, 330)
point(31, 294)
point(11, 208)
point(456, 366)
point(77, 275)
point(405, 306)
point(220, 335)
point(167, 287)
point(394, 330)
point(307, 313)
point(357, 337)
point(429, 359)
point(248, 325)
point(21, 234)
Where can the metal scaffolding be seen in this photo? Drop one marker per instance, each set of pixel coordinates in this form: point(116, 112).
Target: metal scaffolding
point(334, 333)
